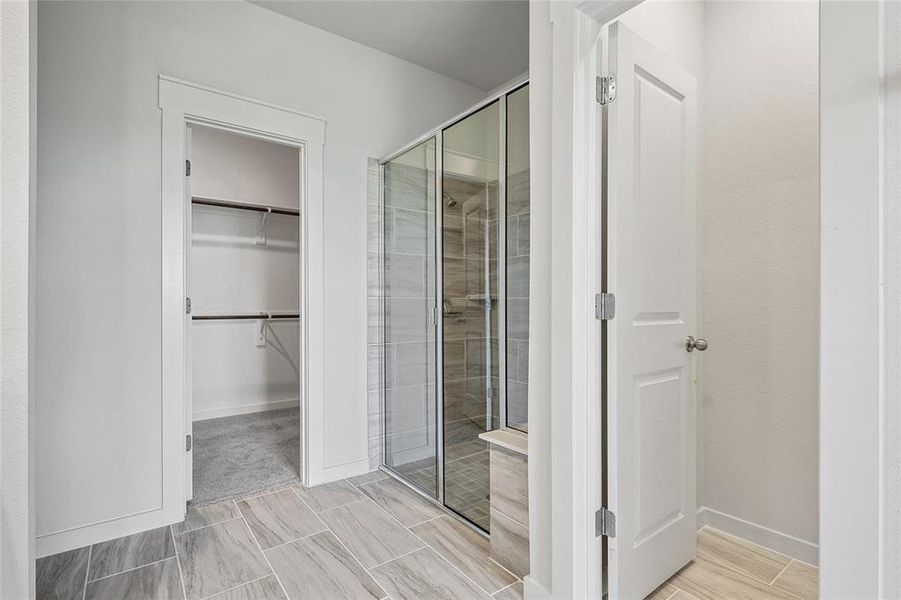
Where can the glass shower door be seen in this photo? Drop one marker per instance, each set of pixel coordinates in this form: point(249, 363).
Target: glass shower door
point(470, 228)
point(410, 407)
point(518, 214)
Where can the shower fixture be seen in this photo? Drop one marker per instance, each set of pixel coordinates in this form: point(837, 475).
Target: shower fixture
point(449, 200)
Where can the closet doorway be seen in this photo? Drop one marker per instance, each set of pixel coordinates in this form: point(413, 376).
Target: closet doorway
point(243, 257)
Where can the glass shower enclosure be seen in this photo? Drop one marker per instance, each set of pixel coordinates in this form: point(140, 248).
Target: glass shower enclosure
point(454, 278)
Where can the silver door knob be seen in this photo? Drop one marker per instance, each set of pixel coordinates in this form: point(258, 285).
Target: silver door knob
point(691, 344)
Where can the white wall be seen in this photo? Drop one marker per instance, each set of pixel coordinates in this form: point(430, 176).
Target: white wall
point(675, 27)
point(232, 272)
point(853, 309)
point(760, 271)
point(98, 291)
point(539, 582)
point(17, 38)
point(235, 167)
point(891, 193)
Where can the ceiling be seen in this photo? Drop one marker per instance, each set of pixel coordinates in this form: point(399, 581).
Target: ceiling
point(481, 42)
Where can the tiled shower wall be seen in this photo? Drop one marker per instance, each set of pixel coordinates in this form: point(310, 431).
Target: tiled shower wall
point(374, 312)
point(465, 376)
point(518, 299)
point(467, 335)
point(401, 294)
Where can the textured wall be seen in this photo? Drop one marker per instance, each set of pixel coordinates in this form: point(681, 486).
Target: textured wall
point(761, 264)
point(892, 301)
point(17, 38)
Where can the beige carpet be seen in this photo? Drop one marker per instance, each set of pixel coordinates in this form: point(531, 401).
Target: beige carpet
point(242, 455)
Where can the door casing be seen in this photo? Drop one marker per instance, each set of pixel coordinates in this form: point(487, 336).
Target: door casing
point(185, 103)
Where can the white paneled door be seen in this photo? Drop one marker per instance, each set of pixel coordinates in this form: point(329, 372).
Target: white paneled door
point(651, 152)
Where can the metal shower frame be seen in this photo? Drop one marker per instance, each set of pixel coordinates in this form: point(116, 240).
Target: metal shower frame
point(437, 134)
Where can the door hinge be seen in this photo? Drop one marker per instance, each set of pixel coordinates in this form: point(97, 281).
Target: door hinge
point(605, 89)
point(189, 442)
point(187, 168)
point(604, 523)
point(604, 306)
point(187, 306)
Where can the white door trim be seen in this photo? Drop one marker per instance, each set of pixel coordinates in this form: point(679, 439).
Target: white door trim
point(852, 310)
point(183, 102)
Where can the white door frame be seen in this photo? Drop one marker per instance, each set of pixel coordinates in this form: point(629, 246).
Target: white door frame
point(564, 552)
point(183, 103)
point(857, 315)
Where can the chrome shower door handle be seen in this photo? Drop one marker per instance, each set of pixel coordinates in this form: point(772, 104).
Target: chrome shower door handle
point(691, 344)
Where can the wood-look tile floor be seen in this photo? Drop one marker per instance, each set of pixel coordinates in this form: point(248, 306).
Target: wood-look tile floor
point(727, 568)
point(364, 538)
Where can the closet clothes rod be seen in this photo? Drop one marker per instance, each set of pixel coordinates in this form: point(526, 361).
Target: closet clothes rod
point(246, 316)
point(276, 210)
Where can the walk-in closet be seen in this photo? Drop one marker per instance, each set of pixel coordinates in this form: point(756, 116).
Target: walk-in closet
point(244, 314)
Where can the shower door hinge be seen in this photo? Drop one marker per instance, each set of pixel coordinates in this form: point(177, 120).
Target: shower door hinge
point(189, 442)
point(605, 89)
point(187, 168)
point(187, 306)
point(604, 306)
point(604, 523)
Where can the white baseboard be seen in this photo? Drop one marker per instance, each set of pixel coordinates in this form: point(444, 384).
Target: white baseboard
point(94, 533)
point(777, 541)
point(244, 409)
point(533, 590)
point(338, 472)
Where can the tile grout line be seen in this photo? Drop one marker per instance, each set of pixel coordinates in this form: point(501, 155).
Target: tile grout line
point(174, 535)
point(156, 562)
point(236, 500)
point(240, 585)
point(260, 547)
point(743, 542)
point(427, 521)
point(732, 569)
point(301, 538)
point(346, 548)
point(747, 576)
point(680, 590)
point(390, 560)
point(506, 587)
point(234, 504)
point(518, 578)
point(87, 573)
point(715, 561)
point(452, 565)
point(427, 545)
point(181, 577)
point(450, 517)
point(781, 572)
